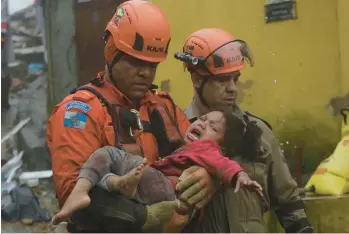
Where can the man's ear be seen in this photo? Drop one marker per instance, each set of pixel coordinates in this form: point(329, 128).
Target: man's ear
point(196, 79)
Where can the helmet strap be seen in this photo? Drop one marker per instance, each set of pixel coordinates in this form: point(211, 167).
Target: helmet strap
point(110, 66)
point(200, 90)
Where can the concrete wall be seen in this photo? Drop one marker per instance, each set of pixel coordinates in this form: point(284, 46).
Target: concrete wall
point(60, 35)
point(297, 71)
point(326, 214)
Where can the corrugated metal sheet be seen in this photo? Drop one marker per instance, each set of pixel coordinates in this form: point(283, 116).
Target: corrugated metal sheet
point(91, 19)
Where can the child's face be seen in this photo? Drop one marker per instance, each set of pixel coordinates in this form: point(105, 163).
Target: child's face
point(209, 126)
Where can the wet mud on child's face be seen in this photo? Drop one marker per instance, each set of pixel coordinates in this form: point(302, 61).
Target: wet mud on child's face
point(209, 126)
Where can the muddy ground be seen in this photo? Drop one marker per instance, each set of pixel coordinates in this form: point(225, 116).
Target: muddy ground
point(46, 195)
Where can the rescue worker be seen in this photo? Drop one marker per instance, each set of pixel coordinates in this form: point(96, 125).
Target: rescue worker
point(121, 108)
point(215, 59)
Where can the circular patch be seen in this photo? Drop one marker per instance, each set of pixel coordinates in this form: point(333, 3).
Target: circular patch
point(120, 12)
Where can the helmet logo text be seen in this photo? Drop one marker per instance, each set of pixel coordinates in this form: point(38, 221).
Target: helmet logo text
point(233, 59)
point(155, 49)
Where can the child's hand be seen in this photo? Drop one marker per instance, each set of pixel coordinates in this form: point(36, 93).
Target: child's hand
point(244, 181)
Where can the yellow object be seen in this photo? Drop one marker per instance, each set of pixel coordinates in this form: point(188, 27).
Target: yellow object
point(332, 175)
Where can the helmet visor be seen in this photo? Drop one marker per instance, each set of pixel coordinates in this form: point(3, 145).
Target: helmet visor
point(229, 58)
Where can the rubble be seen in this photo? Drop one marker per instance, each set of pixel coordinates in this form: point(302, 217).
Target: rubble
point(28, 101)
point(47, 199)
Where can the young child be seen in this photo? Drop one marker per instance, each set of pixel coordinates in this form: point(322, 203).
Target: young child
point(205, 142)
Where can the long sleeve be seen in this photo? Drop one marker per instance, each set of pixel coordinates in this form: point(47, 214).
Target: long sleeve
point(204, 153)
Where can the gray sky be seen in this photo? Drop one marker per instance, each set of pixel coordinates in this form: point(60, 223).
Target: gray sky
point(16, 5)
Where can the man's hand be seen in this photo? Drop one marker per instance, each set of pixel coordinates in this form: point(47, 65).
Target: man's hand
point(162, 217)
point(158, 216)
point(176, 224)
point(244, 181)
point(196, 186)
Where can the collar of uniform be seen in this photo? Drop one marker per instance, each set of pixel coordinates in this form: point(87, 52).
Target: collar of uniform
point(197, 109)
point(149, 97)
point(265, 147)
point(120, 97)
point(192, 111)
point(239, 112)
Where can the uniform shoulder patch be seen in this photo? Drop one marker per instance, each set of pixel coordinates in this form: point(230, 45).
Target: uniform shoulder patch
point(78, 105)
point(75, 120)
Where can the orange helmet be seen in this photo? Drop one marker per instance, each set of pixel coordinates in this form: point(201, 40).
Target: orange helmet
point(213, 51)
point(140, 29)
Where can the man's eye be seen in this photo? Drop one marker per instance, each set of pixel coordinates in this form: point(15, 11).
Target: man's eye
point(222, 80)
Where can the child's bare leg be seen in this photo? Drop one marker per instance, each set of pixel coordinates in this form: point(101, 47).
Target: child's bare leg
point(78, 199)
point(126, 184)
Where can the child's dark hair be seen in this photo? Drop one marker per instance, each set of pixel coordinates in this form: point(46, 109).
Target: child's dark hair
point(241, 137)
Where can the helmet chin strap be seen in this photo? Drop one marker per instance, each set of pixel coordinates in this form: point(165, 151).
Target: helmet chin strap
point(200, 90)
point(117, 57)
point(110, 66)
